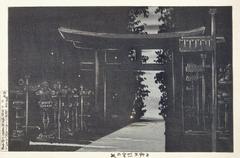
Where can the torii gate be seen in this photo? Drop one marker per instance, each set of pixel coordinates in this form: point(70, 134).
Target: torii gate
point(187, 41)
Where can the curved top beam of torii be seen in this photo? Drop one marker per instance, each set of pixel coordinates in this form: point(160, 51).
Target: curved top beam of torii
point(94, 40)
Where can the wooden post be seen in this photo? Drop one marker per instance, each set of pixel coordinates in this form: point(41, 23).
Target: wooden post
point(81, 112)
point(59, 116)
point(105, 95)
point(214, 81)
point(197, 100)
point(203, 57)
point(27, 104)
point(173, 82)
point(76, 114)
point(138, 55)
point(96, 80)
point(182, 93)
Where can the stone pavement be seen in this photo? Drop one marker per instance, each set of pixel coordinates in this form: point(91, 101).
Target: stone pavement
point(146, 135)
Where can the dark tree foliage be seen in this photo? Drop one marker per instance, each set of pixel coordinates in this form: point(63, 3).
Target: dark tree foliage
point(161, 79)
point(164, 56)
point(225, 73)
point(165, 19)
point(133, 22)
point(141, 93)
point(141, 90)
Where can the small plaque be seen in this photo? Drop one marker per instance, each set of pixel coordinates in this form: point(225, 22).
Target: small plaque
point(45, 104)
point(194, 68)
point(196, 44)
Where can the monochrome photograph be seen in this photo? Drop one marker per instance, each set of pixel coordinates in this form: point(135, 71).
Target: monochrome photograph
point(134, 79)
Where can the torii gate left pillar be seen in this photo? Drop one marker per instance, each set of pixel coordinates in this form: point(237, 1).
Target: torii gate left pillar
point(97, 96)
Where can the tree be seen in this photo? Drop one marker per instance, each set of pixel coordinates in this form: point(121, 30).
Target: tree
point(133, 23)
point(165, 19)
point(166, 24)
point(141, 90)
